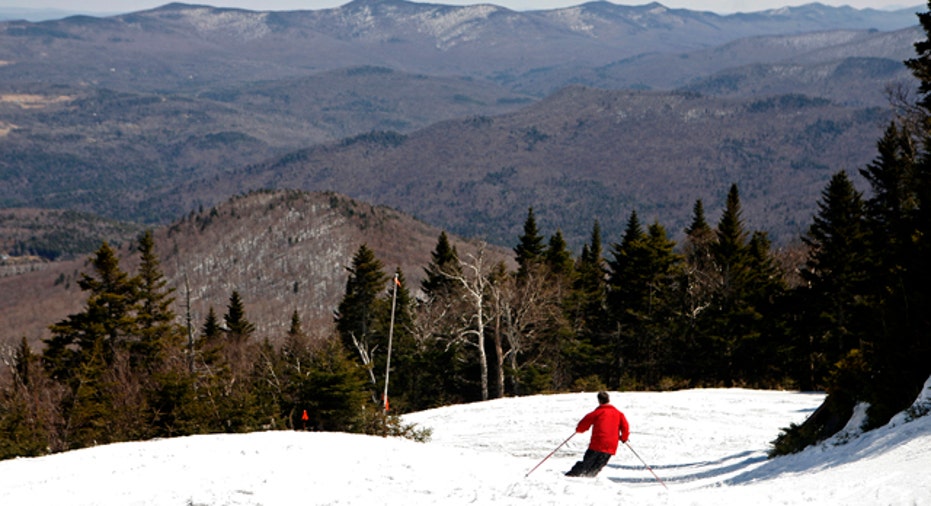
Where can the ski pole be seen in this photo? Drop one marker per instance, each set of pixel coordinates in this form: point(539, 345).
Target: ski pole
point(647, 466)
point(548, 456)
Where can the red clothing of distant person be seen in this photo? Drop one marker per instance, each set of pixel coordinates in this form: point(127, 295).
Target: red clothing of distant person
point(607, 423)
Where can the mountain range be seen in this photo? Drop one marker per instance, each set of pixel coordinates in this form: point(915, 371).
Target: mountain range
point(463, 117)
point(185, 47)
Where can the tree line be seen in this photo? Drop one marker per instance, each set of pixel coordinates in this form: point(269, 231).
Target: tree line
point(640, 313)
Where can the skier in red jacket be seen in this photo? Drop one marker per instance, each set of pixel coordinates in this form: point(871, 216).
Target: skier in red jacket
point(608, 424)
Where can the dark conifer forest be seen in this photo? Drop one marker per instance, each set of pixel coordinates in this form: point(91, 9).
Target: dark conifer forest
point(640, 311)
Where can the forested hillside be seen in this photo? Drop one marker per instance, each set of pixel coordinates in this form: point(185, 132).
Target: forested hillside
point(585, 154)
point(41, 235)
point(282, 250)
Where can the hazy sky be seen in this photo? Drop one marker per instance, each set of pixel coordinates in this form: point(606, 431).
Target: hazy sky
point(720, 6)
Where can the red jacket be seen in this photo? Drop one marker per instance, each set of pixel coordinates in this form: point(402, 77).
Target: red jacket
point(608, 424)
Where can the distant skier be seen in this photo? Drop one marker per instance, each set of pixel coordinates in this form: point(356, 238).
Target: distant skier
point(608, 425)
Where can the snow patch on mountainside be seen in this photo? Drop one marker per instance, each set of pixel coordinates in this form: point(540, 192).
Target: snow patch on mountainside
point(575, 19)
point(453, 26)
point(244, 25)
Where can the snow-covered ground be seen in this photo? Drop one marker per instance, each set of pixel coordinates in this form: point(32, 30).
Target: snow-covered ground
point(708, 446)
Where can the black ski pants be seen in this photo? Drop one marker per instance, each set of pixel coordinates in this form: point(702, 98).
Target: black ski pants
point(590, 465)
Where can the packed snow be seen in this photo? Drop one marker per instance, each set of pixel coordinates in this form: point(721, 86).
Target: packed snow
point(704, 446)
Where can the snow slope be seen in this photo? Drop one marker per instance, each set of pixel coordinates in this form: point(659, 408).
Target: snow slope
point(708, 446)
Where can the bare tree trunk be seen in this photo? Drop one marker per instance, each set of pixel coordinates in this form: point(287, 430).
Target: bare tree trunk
point(499, 355)
point(500, 305)
point(483, 357)
point(189, 318)
point(366, 355)
point(475, 282)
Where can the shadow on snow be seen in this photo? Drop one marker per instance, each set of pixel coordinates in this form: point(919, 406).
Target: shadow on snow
point(706, 470)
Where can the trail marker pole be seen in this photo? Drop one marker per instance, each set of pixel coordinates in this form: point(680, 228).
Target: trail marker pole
point(394, 301)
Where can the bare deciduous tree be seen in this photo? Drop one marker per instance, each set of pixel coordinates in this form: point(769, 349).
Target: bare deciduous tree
point(475, 283)
point(523, 310)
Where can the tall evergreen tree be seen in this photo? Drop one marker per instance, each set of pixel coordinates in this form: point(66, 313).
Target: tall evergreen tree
point(296, 329)
point(360, 307)
point(588, 310)
point(699, 228)
point(91, 411)
point(625, 282)
point(211, 329)
point(732, 316)
point(157, 357)
point(835, 272)
point(664, 267)
point(765, 359)
point(333, 390)
point(626, 296)
point(210, 344)
point(159, 335)
point(558, 258)
point(897, 344)
point(558, 299)
point(699, 241)
point(444, 265)
point(641, 282)
point(108, 317)
point(587, 354)
point(731, 245)
point(238, 327)
point(766, 280)
point(530, 248)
